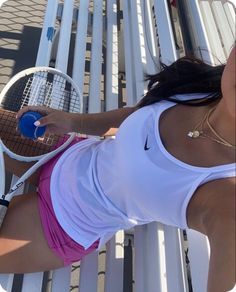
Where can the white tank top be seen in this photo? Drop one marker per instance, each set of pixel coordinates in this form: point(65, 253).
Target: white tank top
point(100, 187)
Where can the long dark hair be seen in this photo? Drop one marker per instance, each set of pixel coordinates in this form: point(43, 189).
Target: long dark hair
point(184, 76)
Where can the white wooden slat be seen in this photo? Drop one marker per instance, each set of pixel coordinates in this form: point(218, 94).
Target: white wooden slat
point(149, 258)
point(198, 245)
point(45, 44)
point(128, 53)
point(165, 33)
point(96, 58)
point(215, 46)
point(115, 247)
point(6, 282)
point(32, 282)
point(112, 66)
point(175, 260)
point(80, 44)
point(115, 263)
point(152, 54)
point(61, 280)
point(230, 9)
point(155, 254)
point(65, 35)
point(139, 52)
point(89, 273)
point(139, 258)
point(147, 275)
point(199, 31)
point(223, 26)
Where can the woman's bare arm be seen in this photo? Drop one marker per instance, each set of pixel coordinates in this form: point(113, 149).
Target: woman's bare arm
point(97, 124)
point(100, 124)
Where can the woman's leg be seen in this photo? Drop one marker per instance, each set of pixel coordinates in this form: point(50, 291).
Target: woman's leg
point(23, 247)
point(18, 168)
point(212, 212)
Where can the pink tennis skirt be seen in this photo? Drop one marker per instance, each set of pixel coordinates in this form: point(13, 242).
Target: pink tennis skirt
point(58, 240)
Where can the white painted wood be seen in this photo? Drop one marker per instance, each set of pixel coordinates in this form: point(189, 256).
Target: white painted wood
point(61, 280)
point(223, 25)
point(159, 259)
point(6, 282)
point(32, 282)
point(199, 255)
point(139, 52)
point(230, 11)
point(150, 262)
point(45, 44)
point(115, 247)
point(89, 273)
point(213, 28)
point(80, 44)
point(155, 255)
point(96, 58)
point(114, 263)
point(65, 35)
point(140, 250)
point(112, 55)
point(215, 47)
point(151, 45)
point(128, 54)
point(166, 37)
point(199, 31)
point(149, 258)
point(175, 260)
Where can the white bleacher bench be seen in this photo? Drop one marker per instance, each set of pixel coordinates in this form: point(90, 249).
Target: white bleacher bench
point(129, 39)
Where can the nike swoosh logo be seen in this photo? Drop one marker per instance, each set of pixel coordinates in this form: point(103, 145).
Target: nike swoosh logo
point(146, 143)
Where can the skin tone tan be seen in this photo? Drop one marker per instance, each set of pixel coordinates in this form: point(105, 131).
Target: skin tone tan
point(211, 210)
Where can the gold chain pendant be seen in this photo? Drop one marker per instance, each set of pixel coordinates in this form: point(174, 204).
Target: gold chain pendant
point(194, 134)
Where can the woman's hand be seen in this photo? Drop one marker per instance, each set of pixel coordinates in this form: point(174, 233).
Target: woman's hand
point(96, 124)
point(56, 121)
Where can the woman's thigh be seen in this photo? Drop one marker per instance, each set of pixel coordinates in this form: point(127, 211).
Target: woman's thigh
point(18, 168)
point(23, 247)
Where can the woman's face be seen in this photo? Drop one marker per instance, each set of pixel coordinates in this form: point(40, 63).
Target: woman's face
point(228, 82)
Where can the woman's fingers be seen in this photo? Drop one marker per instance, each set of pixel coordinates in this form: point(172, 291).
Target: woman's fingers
point(56, 121)
point(45, 120)
point(41, 109)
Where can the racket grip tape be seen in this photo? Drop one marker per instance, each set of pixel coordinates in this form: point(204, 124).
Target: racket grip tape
point(3, 210)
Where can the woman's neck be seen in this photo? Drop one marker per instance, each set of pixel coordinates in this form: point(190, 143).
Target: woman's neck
point(223, 122)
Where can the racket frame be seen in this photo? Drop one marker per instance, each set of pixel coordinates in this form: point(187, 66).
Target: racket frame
point(41, 159)
point(35, 70)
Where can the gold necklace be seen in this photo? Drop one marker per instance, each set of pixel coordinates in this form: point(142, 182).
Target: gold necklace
point(198, 132)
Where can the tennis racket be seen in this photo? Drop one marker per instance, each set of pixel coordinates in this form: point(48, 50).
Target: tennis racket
point(42, 86)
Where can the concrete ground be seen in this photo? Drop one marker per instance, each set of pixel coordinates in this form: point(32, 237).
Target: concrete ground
point(20, 29)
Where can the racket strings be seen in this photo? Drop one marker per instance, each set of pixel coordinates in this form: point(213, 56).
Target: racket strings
point(13, 99)
point(51, 90)
point(19, 145)
point(44, 89)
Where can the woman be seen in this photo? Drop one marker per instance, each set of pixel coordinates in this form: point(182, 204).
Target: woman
point(173, 160)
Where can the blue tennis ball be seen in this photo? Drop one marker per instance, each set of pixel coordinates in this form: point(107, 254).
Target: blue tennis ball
point(26, 125)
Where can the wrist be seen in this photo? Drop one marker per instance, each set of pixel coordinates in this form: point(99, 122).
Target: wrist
point(76, 122)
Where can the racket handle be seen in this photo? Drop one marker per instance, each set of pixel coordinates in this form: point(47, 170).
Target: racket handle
point(3, 210)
